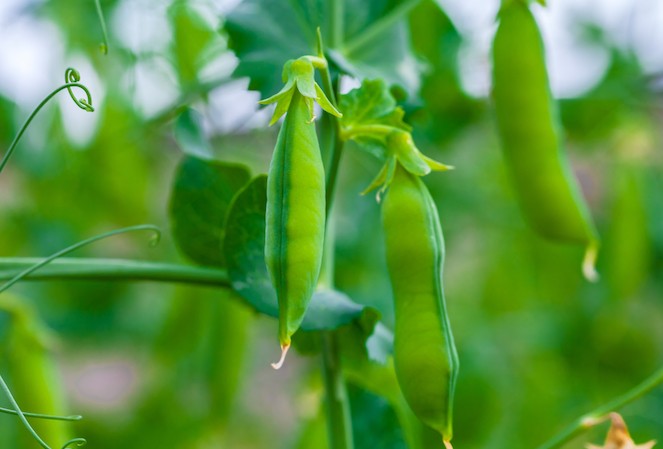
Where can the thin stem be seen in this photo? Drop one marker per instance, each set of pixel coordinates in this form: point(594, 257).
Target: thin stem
point(594, 417)
point(338, 19)
point(21, 415)
point(380, 26)
point(114, 269)
point(100, 13)
point(10, 411)
point(72, 78)
point(74, 247)
point(339, 424)
point(370, 130)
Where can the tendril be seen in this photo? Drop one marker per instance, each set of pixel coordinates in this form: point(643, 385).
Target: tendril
point(104, 45)
point(42, 416)
point(3, 385)
point(62, 252)
point(72, 78)
point(77, 441)
point(21, 415)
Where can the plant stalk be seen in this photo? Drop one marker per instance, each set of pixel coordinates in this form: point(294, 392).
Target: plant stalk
point(339, 423)
point(113, 269)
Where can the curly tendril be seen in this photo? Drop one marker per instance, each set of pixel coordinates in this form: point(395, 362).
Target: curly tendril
point(72, 78)
point(77, 441)
point(23, 417)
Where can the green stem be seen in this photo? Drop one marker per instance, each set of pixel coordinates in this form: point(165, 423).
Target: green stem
point(366, 130)
point(29, 270)
point(113, 269)
point(380, 26)
point(596, 416)
point(337, 23)
point(339, 424)
point(100, 13)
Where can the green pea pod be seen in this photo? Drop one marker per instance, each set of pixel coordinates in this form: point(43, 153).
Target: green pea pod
point(295, 218)
point(531, 138)
point(34, 378)
point(425, 356)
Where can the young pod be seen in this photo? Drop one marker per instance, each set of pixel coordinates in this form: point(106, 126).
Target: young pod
point(531, 138)
point(295, 219)
point(425, 356)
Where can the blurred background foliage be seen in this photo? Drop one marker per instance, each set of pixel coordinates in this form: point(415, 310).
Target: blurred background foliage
point(158, 365)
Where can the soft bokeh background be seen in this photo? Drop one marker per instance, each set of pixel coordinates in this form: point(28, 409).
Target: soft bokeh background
point(156, 365)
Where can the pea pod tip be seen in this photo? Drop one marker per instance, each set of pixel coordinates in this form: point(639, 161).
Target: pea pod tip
point(589, 263)
point(447, 444)
point(284, 352)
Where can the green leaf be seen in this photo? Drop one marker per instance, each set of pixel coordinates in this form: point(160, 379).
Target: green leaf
point(372, 103)
point(365, 39)
point(192, 36)
point(374, 423)
point(202, 192)
point(189, 134)
point(244, 249)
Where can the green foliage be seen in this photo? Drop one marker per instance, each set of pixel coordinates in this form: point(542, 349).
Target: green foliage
point(156, 352)
point(202, 193)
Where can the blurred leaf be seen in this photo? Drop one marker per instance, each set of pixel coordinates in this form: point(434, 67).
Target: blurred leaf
point(191, 37)
point(446, 108)
point(244, 249)
point(202, 192)
point(190, 136)
point(621, 92)
point(265, 34)
point(374, 423)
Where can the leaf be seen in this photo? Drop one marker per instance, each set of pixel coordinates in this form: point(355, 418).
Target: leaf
point(374, 423)
point(372, 42)
point(202, 192)
point(192, 35)
point(244, 249)
point(189, 134)
point(372, 103)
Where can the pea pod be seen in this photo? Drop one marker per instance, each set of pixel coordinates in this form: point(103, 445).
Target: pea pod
point(295, 216)
point(425, 356)
point(531, 138)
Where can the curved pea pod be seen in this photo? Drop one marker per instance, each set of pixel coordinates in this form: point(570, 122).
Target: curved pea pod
point(295, 217)
point(425, 355)
point(531, 137)
point(35, 381)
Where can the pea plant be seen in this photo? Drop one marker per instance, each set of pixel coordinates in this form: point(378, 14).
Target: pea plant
point(363, 94)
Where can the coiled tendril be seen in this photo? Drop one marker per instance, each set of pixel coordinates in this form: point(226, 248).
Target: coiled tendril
point(71, 78)
point(3, 385)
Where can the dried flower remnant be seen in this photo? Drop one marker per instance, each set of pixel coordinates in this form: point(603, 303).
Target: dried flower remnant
point(618, 436)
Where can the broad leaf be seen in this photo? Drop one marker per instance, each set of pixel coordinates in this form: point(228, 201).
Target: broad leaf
point(244, 249)
point(189, 134)
point(370, 104)
point(371, 40)
point(192, 36)
point(202, 192)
